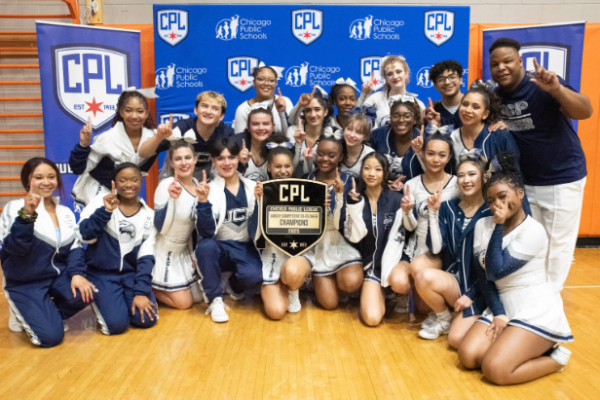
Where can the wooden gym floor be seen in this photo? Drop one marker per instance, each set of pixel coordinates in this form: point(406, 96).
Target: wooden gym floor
point(315, 354)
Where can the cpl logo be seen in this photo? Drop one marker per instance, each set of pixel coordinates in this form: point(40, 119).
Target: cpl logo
point(439, 26)
point(239, 72)
point(553, 57)
point(360, 29)
point(307, 25)
point(176, 117)
point(296, 75)
point(372, 66)
point(423, 78)
point(89, 80)
point(172, 25)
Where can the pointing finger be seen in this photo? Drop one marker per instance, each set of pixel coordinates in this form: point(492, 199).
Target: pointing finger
point(535, 64)
point(175, 176)
point(430, 104)
point(408, 191)
point(313, 92)
point(422, 130)
point(112, 189)
point(204, 176)
point(243, 144)
point(89, 121)
point(279, 92)
point(170, 120)
point(353, 185)
point(372, 76)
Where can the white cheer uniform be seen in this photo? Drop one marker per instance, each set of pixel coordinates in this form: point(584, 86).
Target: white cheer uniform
point(354, 169)
point(380, 100)
point(241, 115)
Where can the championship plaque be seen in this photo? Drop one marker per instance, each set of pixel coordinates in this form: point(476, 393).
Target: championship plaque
point(293, 216)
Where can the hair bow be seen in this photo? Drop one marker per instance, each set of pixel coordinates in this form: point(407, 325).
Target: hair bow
point(445, 130)
point(329, 132)
point(369, 112)
point(401, 97)
point(493, 168)
point(287, 145)
point(148, 93)
point(472, 155)
point(489, 86)
point(348, 81)
point(264, 105)
point(189, 136)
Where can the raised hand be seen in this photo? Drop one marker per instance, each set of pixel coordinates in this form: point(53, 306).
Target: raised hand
point(244, 153)
point(174, 188)
point(407, 202)
point(280, 101)
point(144, 305)
point(203, 189)
point(417, 143)
point(367, 87)
point(32, 201)
point(545, 80)
point(85, 135)
point(434, 201)
point(431, 115)
point(397, 185)
point(165, 130)
point(299, 134)
point(308, 153)
point(338, 184)
point(462, 303)
point(111, 202)
point(353, 193)
point(86, 288)
point(500, 211)
point(306, 98)
point(258, 190)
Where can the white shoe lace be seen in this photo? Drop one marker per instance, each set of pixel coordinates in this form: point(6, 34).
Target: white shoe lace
point(215, 302)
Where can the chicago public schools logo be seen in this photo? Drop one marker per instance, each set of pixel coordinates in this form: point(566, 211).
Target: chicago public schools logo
point(296, 75)
point(165, 77)
point(369, 65)
point(551, 56)
point(227, 29)
point(439, 26)
point(172, 25)
point(423, 78)
point(89, 80)
point(360, 29)
point(239, 72)
point(307, 25)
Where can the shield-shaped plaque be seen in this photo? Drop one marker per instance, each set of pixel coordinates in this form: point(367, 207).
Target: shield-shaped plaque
point(293, 216)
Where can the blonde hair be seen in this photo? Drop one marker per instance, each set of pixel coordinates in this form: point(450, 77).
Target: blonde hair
point(362, 124)
point(213, 96)
point(390, 60)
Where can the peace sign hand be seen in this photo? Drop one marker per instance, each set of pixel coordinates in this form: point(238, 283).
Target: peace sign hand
point(546, 80)
point(165, 130)
point(258, 190)
point(280, 102)
point(85, 135)
point(338, 184)
point(306, 98)
point(417, 143)
point(32, 201)
point(431, 115)
point(367, 87)
point(111, 202)
point(407, 202)
point(299, 134)
point(203, 189)
point(174, 188)
point(397, 185)
point(353, 193)
point(244, 153)
point(434, 201)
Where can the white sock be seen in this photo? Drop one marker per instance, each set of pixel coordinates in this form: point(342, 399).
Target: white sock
point(444, 315)
point(561, 355)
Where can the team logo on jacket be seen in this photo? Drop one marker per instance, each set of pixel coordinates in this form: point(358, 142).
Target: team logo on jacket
point(423, 78)
point(307, 25)
point(172, 25)
point(89, 80)
point(239, 72)
point(553, 57)
point(370, 69)
point(176, 117)
point(234, 28)
point(439, 26)
point(126, 231)
point(367, 28)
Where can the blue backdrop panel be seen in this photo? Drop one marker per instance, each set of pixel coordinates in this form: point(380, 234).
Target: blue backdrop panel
point(215, 47)
point(83, 70)
point(558, 48)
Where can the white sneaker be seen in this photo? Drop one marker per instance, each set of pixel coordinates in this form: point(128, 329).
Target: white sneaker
point(402, 304)
point(294, 298)
point(344, 297)
point(217, 310)
point(561, 355)
point(434, 331)
point(65, 326)
point(429, 321)
point(234, 296)
point(13, 323)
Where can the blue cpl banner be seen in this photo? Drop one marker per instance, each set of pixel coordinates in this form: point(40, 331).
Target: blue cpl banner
point(557, 47)
point(215, 47)
point(83, 70)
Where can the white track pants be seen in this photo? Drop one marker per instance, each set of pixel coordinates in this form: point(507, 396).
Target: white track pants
point(558, 208)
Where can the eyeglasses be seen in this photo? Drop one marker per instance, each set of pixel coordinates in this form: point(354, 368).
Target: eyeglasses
point(442, 79)
point(404, 117)
point(260, 79)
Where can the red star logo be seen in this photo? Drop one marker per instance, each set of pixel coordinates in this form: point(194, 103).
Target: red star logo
point(94, 107)
point(243, 82)
point(172, 36)
point(438, 36)
point(306, 35)
point(375, 82)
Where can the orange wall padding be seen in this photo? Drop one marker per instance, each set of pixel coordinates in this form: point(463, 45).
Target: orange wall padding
point(588, 129)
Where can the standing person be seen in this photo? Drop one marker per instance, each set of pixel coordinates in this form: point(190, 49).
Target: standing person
point(356, 134)
point(132, 126)
point(120, 235)
point(223, 211)
point(43, 263)
point(174, 277)
point(202, 131)
point(538, 112)
point(252, 163)
point(447, 79)
point(528, 319)
point(396, 75)
point(450, 279)
point(372, 221)
point(336, 264)
point(265, 82)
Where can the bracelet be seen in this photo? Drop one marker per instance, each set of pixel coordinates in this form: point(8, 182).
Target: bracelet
point(27, 218)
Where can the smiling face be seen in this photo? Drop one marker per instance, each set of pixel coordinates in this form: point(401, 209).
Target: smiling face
point(437, 155)
point(372, 172)
point(328, 156)
point(503, 192)
point(260, 126)
point(265, 83)
point(280, 167)
point(472, 109)
point(226, 164)
point(183, 161)
point(315, 113)
point(134, 113)
point(469, 179)
point(448, 83)
point(396, 76)
point(128, 183)
point(43, 181)
point(506, 65)
point(209, 111)
point(402, 120)
point(345, 100)
point(353, 135)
